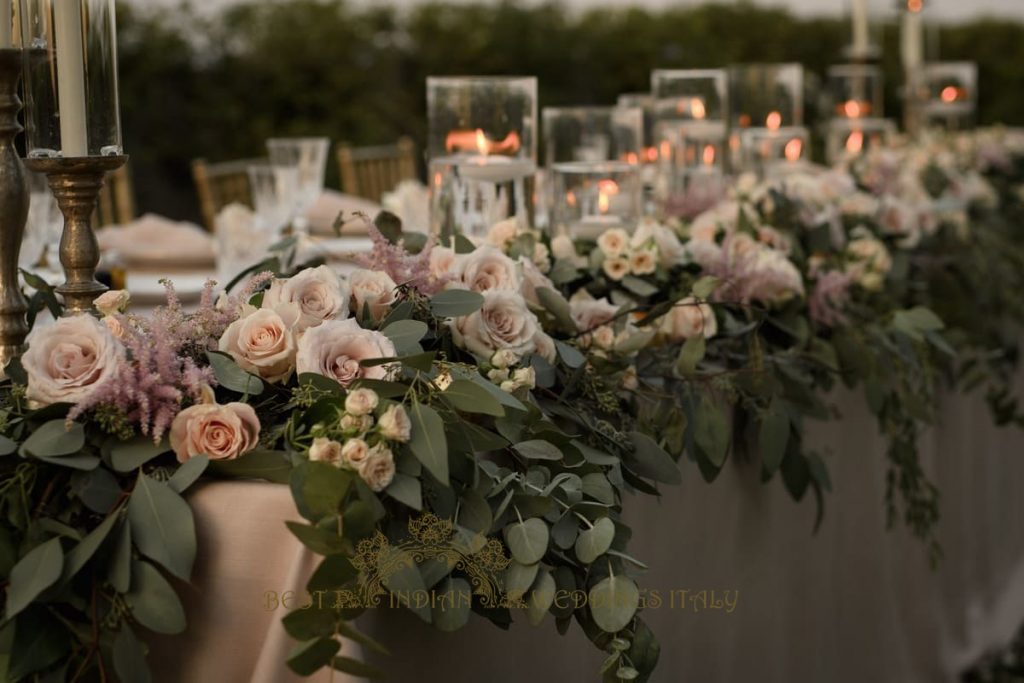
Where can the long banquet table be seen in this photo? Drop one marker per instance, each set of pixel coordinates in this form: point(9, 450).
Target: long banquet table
point(850, 603)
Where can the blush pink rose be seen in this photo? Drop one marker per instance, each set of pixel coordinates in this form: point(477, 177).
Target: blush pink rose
point(503, 323)
point(318, 292)
point(373, 290)
point(263, 342)
point(68, 360)
point(219, 432)
point(336, 348)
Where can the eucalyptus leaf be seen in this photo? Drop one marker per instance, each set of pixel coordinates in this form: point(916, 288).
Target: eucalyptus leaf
point(405, 335)
point(469, 397)
point(78, 556)
point(651, 460)
point(704, 287)
point(320, 541)
point(711, 432)
point(130, 455)
point(518, 578)
point(428, 442)
point(613, 603)
point(119, 573)
point(162, 526)
point(130, 657)
point(356, 668)
point(319, 489)
point(451, 604)
point(269, 465)
point(570, 355)
point(153, 601)
point(406, 489)
point(595, 541)
point(538, 449)
point(455, 303)
point(7, 447)
point(55, 439)
point(528, 540)
point(33, 574)
point(558, 307)
point(98, 490)
point(188, 473)
point(230, 376)
point(773, 436)
point(597, 486)
point(541, 597)
point(690, 355)
point(309, 657)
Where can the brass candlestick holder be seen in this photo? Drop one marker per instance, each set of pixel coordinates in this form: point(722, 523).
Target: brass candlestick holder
point(13, 212)
point(76, 183)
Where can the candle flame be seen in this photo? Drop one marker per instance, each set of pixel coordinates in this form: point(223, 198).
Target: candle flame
point(666, 150)
point(855, 143)
point(774, 121)
point(632, 158)
point(854, 110)
point(570, 198)
point(794, 149)
point(697, 108)
point(477, 141)
point(915, 5)
point(709, 155)
point(437, 180)
point(605, 190)
point(950, 93)
point(651, 154)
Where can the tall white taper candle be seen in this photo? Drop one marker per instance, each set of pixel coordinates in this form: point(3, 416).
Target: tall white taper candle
point(67, 19)
point(859, 17)
point(912, 42)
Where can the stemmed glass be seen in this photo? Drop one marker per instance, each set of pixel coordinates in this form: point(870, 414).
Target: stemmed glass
point(43, 228)
point(274, 188)
point(308, 156)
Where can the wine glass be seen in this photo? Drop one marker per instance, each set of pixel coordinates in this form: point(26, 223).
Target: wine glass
point(309, 157)
point(44, 225)
point(274, 188)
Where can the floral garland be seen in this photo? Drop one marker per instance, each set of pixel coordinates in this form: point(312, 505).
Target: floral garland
point(517, 388)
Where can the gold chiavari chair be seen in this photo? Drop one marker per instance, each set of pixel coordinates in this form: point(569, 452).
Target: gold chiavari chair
point(218, 185)
point(370, 172)
point(116, 205)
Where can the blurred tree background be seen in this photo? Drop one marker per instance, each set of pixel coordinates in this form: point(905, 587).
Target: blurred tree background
point(195, 85)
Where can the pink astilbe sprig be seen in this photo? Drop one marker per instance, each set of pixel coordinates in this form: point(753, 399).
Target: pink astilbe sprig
point(403, 267)
point(163, 369)
point(829, 298)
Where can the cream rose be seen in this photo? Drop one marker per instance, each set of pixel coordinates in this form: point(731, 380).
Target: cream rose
point(395, 424)
point(219, 432)
point(616, 268)
point(503, 322)
point(643, 261)
point(562, 247)
point(114, 301)
point(68, 360)
point(378, 469)
point(589, 314)
point(357, 423)
point(442, 262)
point(502, 233)
point(354, 452)
point(361, 402)
point(532, 280)
point(614, 242)
point(336, 348)
point(318, 292)
point(670, 250)
point(325, 450)
point(263, 342)
point(487, 268)
point(689, 319)
point(372, 289)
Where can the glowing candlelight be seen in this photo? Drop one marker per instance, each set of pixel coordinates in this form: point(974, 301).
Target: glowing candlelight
point(950, 94)
point(697, 108)
point(794, 150)
point(650, 154)
point(855, 143)
point(854, 109)
point(477, 141)
point(773, 121)
point(708, 156)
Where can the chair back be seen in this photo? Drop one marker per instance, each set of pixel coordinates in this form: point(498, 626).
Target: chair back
point(116, 205)
point(370, 172)
point(218, 185)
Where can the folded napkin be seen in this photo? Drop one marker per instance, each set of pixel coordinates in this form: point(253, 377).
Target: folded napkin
point(326, 210)
point(157, 242)
point(410, 201)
